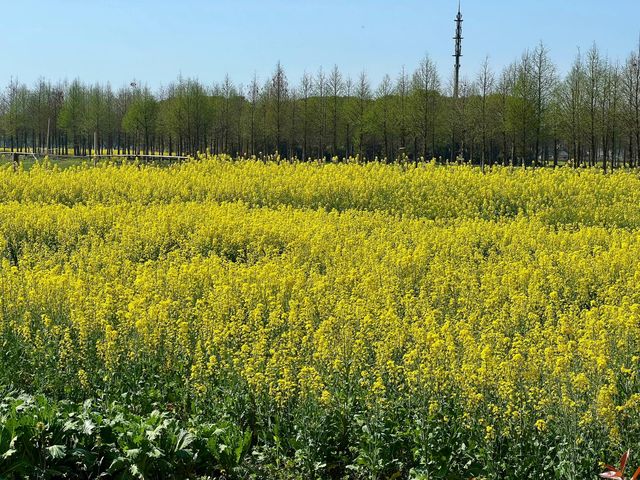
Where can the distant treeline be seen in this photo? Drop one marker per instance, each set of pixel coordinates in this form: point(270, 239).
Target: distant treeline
point(526, 114)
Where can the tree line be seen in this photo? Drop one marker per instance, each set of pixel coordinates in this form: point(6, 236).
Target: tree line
point(526, 114)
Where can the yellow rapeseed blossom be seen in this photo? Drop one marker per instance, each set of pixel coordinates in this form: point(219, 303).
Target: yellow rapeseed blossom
point(514, 294)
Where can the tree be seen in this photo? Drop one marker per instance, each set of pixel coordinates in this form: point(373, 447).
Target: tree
point(507, 131)
point(293, 118)
point(610, 114)
point(17, 115)
point(189, 115)
point(484, 84)
point(254, 95)
point(306, 90)
point(335, 86)
point(525, 114)
point(363, 98)
point(631, 92)
point(141, 118)
point(73, 114)
point(96, 111)
point(383, 102)
point(523, 105)
point(607, 106)
point(402, 109)
point(348, 88)
point(425, 86)
point(39, 114)
point(544, 72)
point(464, 114)
point(594, 79)
point(554, 120)
point(572, 99)
point(279, 92)
point(227, 93)
point(122, 101)
point(321, 111)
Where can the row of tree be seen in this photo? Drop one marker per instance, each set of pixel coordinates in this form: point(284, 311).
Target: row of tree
point(526, 114)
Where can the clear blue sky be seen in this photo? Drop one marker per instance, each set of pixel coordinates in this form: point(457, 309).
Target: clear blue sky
point(154, 41)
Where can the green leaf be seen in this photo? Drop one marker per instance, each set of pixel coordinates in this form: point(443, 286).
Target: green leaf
point(185, 438)
point(243, 445)
point(117, 464)
point(8, 453)
point(88, 427)
point(133, 453)
point(57, 451)
point(155, 453)
point(135, 471)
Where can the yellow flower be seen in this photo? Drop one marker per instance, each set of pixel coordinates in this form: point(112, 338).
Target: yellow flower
point(541, 425)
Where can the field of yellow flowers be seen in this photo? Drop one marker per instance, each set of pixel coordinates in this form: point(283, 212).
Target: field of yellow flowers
point(314, 320)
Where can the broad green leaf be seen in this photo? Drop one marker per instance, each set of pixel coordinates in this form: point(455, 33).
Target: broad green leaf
point(57, 451)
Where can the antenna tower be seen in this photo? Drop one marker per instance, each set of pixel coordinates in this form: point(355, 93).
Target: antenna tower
point(458, 51)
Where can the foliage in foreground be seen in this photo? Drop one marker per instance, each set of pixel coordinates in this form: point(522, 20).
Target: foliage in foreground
point(44, 439)
point(40, 439)
point(322, 321)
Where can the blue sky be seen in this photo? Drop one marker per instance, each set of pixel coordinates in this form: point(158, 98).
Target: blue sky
point(155, 41)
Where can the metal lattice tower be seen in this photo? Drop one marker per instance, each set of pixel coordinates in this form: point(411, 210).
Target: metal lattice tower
point(458, 50)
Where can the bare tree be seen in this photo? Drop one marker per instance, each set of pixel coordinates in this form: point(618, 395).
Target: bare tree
point(631, 91)
point(485, 82)
point(607, 104)
point(321, 93)
point(545, 80)
point(348, 90)
point(363, 98)
point(425, 87)
point(306, 90)
point(279, 88)
point(611, 114)
point(523, 104)
point(383, 100)
point(402, 93)
point(572, 99)
point(594, 78)
point(254, 95)
point(227, 91)
point(293, 113)
point(335, 86)
point(507, 131)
